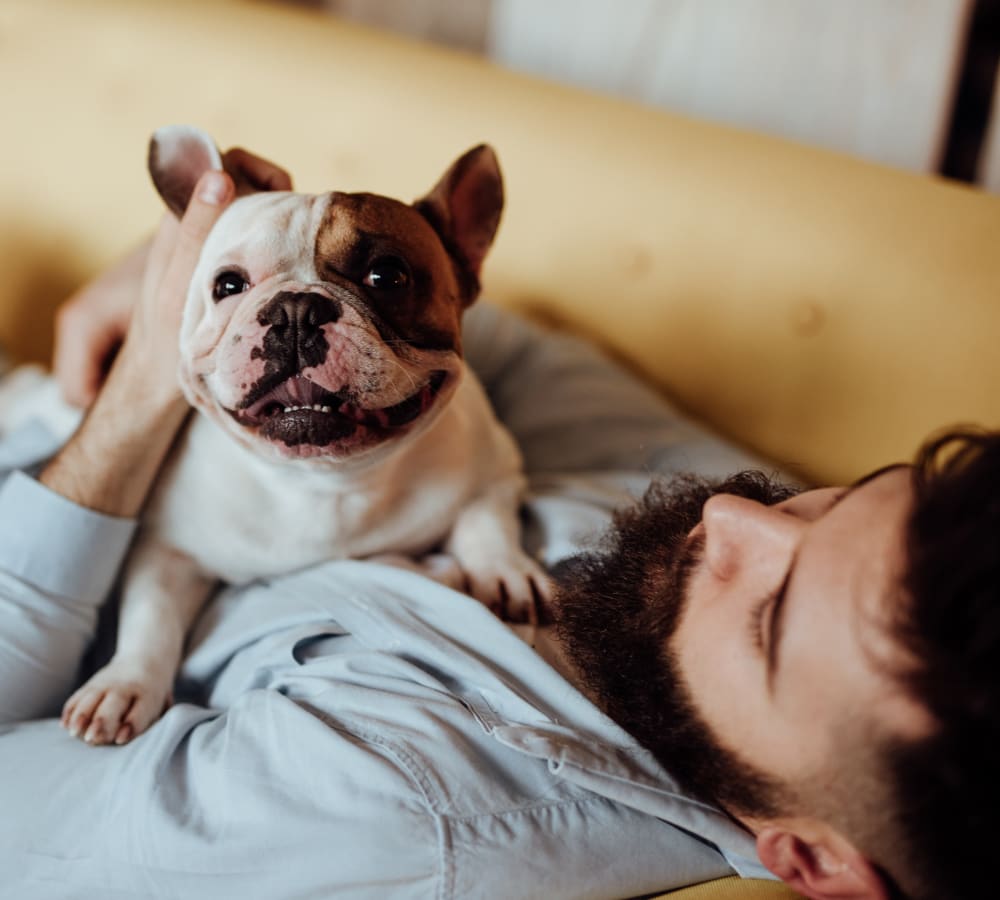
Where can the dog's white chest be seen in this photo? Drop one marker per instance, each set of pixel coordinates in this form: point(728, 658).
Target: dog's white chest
point(241, 517)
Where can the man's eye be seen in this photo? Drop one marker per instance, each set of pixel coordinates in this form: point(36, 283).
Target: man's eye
point(387, 275)
point(756, 624)
point(229, 283)
point(757, 616)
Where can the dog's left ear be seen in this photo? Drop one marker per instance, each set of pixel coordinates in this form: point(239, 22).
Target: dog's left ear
point(178, 156)
point(465, 205)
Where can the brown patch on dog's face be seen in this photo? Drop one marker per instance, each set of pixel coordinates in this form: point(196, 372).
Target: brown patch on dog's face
point(389, 252)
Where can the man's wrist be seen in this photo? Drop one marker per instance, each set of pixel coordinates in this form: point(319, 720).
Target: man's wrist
point(111, 462)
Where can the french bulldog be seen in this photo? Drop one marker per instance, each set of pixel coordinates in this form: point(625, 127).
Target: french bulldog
point(334, 415)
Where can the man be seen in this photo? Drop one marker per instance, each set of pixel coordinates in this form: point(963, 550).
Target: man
point(360, 729)
point(822, 666)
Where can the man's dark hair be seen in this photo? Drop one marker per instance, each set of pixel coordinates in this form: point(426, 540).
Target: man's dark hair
point(945, 787)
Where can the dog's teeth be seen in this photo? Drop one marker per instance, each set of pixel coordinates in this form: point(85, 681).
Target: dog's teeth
point(316, 407)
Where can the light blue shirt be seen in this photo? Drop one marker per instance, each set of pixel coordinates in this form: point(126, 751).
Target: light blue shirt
point(354, 729)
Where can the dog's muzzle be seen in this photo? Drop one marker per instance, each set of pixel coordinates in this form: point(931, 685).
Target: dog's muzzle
point(286, 406)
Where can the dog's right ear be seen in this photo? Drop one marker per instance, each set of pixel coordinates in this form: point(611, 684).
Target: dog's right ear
point(178, 156)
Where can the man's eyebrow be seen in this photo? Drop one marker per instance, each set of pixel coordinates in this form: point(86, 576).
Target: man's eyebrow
point(776, 626)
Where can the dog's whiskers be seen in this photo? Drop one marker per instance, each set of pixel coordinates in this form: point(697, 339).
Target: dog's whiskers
point(409, 375)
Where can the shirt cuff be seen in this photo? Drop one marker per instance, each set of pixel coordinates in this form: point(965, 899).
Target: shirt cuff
point(57, 546)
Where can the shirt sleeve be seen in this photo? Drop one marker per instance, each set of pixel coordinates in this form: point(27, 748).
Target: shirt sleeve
point(57, 563)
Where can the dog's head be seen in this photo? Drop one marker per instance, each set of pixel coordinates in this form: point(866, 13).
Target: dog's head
point(328, 326)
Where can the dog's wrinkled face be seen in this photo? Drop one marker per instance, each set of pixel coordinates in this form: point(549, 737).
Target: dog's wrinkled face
point(321, 325)
point(328, 326)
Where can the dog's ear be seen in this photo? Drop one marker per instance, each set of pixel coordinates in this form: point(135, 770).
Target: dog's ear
point(178, 156)
point(465, 205)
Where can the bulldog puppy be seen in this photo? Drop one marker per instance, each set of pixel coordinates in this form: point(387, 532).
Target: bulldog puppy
point(321, 350)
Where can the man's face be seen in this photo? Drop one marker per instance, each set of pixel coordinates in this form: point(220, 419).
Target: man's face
point(753, 635)
point(783, 642)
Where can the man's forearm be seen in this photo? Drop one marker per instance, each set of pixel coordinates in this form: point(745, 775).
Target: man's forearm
point(111, 462)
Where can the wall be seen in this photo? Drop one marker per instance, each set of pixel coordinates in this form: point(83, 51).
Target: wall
point(874, 78)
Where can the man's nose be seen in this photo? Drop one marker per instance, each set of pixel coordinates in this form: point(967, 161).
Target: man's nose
point(747, 540)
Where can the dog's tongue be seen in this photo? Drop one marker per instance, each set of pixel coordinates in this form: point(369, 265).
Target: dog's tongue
point(300, 391)
point(300, 412)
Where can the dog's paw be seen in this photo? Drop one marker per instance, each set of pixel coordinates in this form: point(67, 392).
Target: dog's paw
point(119, 702)
point(440, 567)
point(513, 586)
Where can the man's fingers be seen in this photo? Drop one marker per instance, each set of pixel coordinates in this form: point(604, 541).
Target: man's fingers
point(78, 371)
point(91, 324)
point(211, 195)
point(84, 344)
point(255, 172)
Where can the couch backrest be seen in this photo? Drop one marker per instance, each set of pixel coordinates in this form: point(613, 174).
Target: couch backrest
point(827, 312)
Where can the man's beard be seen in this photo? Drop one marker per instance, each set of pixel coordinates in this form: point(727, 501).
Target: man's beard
point(616, 611)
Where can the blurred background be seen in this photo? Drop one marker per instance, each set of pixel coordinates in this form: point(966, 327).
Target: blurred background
point(865, 258)
point(909, 83)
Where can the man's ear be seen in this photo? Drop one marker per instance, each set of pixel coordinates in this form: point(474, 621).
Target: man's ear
point(816, 860)
point(465, 205)
point(178, 156)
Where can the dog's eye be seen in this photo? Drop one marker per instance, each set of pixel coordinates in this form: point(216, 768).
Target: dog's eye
point(228, 283)
point(387, 275)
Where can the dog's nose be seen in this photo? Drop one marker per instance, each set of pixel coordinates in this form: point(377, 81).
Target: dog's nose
point(298, 313)
point(294, 338)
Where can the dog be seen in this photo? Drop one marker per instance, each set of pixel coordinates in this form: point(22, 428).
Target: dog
point(334, 417)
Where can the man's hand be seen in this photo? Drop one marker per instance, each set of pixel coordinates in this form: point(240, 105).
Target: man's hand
point(91, 324)
point(111, 462)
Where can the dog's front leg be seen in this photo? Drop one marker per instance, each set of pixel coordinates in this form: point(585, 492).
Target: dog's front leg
point(163, 591)
point(486, 541)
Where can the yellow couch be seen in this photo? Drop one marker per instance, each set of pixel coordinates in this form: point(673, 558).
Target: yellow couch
point(826, 312)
